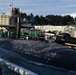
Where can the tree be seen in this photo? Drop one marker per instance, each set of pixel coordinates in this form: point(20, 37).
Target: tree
point(37, 20)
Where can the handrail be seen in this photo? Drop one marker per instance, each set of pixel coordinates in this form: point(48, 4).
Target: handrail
point(16, 68)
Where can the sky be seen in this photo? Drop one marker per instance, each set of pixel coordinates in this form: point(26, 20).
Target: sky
point(41, 7)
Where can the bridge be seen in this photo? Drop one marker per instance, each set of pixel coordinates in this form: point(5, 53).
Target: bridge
point(13, 26)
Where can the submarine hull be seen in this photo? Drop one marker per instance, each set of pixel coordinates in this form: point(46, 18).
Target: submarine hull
point(47, 53)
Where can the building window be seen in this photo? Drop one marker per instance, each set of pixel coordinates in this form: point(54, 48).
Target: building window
point(1, 16)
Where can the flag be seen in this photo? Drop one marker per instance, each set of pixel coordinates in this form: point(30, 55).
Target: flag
point(9, 6)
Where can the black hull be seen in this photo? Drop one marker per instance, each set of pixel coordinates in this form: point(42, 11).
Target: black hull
point(42, 52)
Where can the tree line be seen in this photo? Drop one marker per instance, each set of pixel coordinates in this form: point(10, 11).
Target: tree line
point(49, 19)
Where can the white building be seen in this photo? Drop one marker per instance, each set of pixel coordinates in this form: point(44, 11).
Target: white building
point(55, 28)
point(4, 20)
point(51, 28)
point(65, 29)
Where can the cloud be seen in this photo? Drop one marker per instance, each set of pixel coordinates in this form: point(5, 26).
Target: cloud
point(41, 6)
point(71, 14)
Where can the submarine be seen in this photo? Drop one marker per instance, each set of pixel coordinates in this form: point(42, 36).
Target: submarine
point(49, 53)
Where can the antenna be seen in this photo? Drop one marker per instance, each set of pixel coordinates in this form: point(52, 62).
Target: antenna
point(12, 5)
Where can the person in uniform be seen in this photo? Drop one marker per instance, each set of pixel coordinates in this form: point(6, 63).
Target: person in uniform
point(35, 35)
point(23, 34)
point(30, 34)
point(12, 34)
point(0, 33)
point(5, 34)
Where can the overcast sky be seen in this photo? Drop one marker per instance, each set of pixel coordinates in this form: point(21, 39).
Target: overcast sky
point(41, 7)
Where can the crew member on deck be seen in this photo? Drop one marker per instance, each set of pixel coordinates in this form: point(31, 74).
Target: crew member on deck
point(23, 34)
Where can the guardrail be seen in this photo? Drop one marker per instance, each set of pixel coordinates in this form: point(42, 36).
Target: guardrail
point(16, 68)
point(71, 45)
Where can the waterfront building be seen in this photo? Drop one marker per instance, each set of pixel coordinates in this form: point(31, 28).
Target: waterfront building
point(4, 20)
point(63, 29)
point(55, 28)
